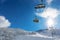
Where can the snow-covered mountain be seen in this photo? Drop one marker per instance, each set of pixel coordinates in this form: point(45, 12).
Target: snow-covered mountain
point(19, 34)
point(54, 34)
point(46, 32)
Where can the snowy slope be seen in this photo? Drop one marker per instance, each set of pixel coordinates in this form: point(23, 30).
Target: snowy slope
point(31, 38)
point(54, 32)
point(18, 34)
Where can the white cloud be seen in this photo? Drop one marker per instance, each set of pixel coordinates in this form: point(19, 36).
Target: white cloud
point(50, 14)
point(49, 1)
point(4, 22)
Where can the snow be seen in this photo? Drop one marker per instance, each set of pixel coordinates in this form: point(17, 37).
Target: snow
point(19, 34)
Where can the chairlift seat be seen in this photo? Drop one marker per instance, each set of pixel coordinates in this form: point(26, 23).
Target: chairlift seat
point(36, 20)
point(39, 6)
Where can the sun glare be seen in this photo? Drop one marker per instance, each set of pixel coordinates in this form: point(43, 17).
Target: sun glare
point(50, 23)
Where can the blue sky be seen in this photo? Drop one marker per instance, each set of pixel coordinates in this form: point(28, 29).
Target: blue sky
point(21, 13)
